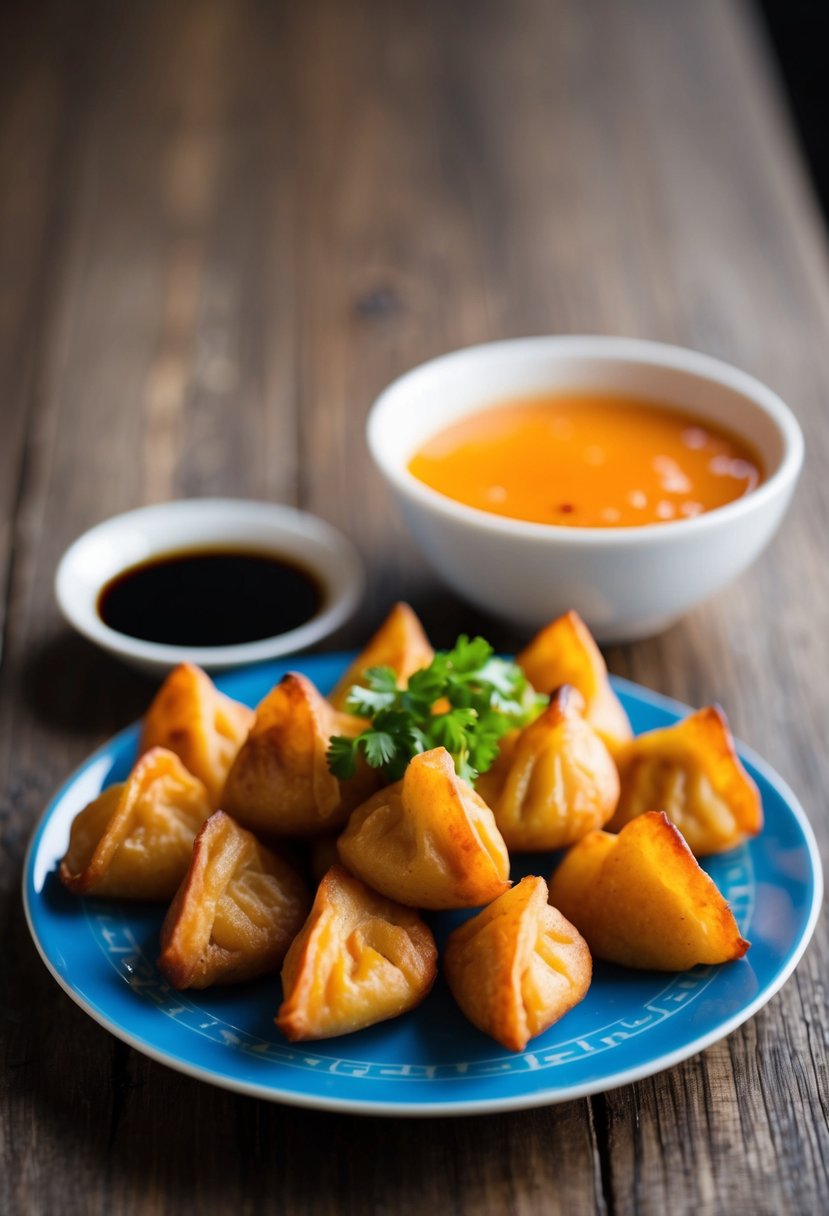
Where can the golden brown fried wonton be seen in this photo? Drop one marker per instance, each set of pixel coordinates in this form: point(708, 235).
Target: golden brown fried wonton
point(205, 729)
point(236, 912)
point(564, 652)
point(280, 783)
point(399, 643)
point(360, 959)
point(552, 782)
point(641, 899)
point(429, 840)
point(518, 966)
point(136, 839)
point(691, 771)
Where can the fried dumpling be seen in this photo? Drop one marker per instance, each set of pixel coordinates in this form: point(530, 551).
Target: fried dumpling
point(136, 839)
point(641, 899)
point(564, 652)
point(691, 771)
point(518, 966)
point(360, 959)
point(205, 729)
point(552, 782)
point(399, 643)
point(429, 840)
point(235, 914)
point(280, 783)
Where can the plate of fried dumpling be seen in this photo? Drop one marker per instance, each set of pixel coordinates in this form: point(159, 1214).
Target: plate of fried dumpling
point(624, 885)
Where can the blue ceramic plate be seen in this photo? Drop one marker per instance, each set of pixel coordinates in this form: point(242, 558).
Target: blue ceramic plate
point(431, 1061)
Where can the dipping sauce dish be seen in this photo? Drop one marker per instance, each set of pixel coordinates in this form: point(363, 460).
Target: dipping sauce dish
point(625, 581)
point(144, 571)
point(243, 595)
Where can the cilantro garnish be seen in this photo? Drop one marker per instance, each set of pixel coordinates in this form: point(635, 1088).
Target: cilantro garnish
point(466, 700)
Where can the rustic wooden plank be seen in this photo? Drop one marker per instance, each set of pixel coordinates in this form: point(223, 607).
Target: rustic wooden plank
point(236, 223)
point(31, 128)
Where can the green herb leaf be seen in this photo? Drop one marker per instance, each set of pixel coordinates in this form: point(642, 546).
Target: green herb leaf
point(466, 700)
point(380, 746)
point(342, 756)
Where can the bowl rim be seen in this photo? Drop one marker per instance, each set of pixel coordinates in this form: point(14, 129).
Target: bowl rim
point(602, 348)
point(343, 580)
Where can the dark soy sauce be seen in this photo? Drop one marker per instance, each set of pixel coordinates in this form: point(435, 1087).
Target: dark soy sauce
point(210, 597)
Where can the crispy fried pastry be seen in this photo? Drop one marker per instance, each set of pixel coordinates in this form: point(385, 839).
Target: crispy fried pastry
point(552, 782)
point(235, 914)
point(135, 840)
point(189, 716)
point(399, 643)
point(518, 966)
point(280, 783)
point(429, 840)
point(564, 652)
point(691, 771)
point(360, 959)
point(642, 900)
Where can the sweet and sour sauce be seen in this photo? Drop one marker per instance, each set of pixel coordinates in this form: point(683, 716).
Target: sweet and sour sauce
point(596, 461)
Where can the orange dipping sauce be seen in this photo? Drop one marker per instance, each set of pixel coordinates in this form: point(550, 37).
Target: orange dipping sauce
point(596, 461)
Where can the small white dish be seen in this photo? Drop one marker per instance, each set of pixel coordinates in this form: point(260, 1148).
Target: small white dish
point(626, 583)
point(150, 532)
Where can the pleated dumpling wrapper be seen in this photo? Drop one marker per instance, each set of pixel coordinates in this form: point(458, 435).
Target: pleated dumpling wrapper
point(205, 729)
point(399, 643)
point(564, 652)
point(360, 959)
point(518, 966)
point(641, 899)
point(691, 771)
point(429, 840)
point(280, 783)
point(552, 782)
point(235, 914)
point(135, 840)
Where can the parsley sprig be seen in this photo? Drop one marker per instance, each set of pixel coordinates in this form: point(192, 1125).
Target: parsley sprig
point(466, 700)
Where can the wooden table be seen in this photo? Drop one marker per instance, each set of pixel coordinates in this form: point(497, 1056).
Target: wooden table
point(225, 226)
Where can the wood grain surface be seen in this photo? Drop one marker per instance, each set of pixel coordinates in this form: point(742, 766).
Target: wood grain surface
point(224, 227)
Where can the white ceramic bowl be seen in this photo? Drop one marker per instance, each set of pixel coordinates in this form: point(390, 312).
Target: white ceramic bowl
point(127, 540)
point(626, 582)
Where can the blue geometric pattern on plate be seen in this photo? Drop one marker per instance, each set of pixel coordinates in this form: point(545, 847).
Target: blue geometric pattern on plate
point(431, 1061)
